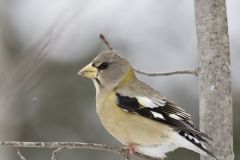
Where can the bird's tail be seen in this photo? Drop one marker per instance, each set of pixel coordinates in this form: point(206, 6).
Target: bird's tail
point(194, 143)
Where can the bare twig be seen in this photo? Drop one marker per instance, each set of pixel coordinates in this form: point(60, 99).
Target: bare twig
point(54, 153)
point(192, 72)
point(29, 66)
point(102, 37)
point(20, 154)
point(72, 145)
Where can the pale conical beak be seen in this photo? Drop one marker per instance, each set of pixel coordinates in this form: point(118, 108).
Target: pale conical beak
point(88, 71)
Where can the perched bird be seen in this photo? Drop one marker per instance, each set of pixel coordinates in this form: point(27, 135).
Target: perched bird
point(137, 115)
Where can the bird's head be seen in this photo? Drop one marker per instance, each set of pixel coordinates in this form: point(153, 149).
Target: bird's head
point(108, 70)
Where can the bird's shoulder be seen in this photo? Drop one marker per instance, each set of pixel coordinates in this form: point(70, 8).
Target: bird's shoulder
point(138, 88)
point(138, 98)
point(150, 99)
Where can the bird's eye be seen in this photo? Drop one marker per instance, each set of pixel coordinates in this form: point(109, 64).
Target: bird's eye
point(103, 66)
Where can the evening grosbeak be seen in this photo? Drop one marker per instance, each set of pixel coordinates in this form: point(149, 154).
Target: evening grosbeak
point(137, 115)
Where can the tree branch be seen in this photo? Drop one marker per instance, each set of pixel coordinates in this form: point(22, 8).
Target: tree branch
point(215, 80)
point(54, 153)
point(105, 41)
point(192, 72)
point(124, 151)
point(20, 154)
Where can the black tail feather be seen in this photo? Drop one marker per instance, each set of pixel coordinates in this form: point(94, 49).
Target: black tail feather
point(197, 141)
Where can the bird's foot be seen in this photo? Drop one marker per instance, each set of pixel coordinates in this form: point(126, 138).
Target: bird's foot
point(129, 152)
point(132, 149)
point(126, 153)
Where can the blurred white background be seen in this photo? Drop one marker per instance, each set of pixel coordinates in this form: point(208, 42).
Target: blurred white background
point(42, 98)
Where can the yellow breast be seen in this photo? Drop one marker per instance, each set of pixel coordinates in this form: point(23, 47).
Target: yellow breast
point(130, 128)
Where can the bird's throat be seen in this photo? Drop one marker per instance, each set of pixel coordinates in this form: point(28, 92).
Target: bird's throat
point(97, 84)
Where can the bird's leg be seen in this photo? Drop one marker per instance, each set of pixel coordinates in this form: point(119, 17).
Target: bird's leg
point(132, 149)
point(129, 151)
point(126, 153)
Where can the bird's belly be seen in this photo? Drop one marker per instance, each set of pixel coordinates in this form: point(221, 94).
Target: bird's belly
point(130, 128)
point(157, 151)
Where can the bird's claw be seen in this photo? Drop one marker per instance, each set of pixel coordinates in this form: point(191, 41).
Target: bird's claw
point(132, 149)
point(129, 152)
point(126, 153)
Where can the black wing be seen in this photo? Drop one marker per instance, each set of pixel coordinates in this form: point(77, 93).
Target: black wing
point(165, 113)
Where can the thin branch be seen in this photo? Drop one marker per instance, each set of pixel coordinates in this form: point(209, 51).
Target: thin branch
point(124, 151)
point(102, 37)
point(20, 154)
point(54, 153)
point(29, 66)
point(192, 72)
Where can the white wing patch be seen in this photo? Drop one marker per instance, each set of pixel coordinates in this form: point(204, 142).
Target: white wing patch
point(146, 102)
point(157, 115)
point(174, 116)
point(150, 103)
point(196, 140)
point(182, 142)
point(190, 137)
point(193, 138)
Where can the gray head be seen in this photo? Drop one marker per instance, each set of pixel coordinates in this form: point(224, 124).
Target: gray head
point(108, 69)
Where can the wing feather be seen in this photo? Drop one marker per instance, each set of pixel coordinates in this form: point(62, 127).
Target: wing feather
point(159, 110)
